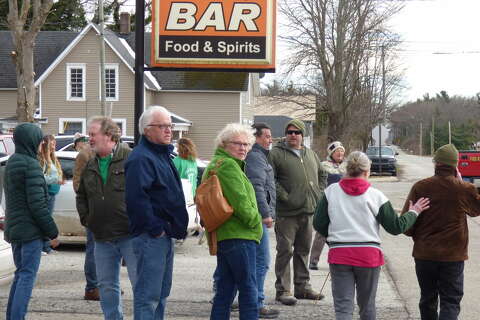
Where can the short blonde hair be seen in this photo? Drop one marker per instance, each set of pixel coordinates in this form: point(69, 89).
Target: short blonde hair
point(357, 163)
point(232, 130)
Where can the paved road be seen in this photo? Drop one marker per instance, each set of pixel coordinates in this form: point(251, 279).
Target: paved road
point(59, 290)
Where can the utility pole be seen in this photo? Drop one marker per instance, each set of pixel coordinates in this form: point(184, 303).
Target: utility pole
point(449, 133)
point(382, 113)
point(420, 145)
point(432, 136)
point(102, 57)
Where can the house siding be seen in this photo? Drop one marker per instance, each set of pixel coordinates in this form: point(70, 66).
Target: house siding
point(54, 88)
point(8, 103)
point(208, 111)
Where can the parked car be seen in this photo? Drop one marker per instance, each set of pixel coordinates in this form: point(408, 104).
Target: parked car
point(7, 147)
point(64, 144)
point(388, 161)
point(7, 267)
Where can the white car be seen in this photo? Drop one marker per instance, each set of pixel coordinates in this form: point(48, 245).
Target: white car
point(7, 267)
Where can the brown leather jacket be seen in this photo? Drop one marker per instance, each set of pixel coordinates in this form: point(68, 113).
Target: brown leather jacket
point(441, 232)
point(82, 158)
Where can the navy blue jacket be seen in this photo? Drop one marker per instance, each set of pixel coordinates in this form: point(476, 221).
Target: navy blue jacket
point(153, 192)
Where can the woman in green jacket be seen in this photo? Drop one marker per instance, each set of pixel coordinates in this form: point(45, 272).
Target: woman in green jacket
point(238, 236)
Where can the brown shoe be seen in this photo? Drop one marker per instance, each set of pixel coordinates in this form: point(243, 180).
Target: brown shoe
point(286, 298)
point(309, 295)
point(266, 313)
point(92, 295)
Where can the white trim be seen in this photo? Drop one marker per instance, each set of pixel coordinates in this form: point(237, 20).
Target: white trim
point(40, 100)
point(117, 84)
point(123, 121)
point(61, 122)
point(146, 73)
point(63, 54)
point(82, 66)
point(205, 91)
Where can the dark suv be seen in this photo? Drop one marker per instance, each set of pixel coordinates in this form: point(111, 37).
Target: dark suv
point(388, 160)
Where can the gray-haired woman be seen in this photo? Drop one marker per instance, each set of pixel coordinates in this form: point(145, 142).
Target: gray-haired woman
point(349, 215)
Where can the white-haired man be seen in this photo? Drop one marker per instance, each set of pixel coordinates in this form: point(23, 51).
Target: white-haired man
point(157, 212)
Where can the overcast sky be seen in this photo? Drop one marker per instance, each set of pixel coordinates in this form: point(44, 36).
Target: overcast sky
point(441, 49)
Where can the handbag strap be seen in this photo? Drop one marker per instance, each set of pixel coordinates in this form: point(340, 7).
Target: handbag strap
point(217, 165)
point(212, 243)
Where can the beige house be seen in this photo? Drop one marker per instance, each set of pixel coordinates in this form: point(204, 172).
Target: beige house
point(68, 87)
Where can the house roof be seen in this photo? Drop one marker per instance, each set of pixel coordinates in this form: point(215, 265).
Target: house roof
point(192, 80)
point(52, 46)
point(302, 108)
point(48, 46)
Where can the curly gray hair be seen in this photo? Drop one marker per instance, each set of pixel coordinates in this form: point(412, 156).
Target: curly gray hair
point(232, 130)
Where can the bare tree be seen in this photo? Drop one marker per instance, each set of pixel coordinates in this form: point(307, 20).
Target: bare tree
point(333, 43)
point(25, 23)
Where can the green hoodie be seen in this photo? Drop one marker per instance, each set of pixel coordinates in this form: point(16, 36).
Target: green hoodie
point(299, 180)
point(245, 223)
point(27, 215)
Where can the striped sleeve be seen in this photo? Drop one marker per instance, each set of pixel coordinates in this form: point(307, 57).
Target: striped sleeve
point(321, 220)
point(393, 223)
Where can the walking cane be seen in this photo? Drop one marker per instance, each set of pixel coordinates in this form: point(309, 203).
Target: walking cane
point(324, 283)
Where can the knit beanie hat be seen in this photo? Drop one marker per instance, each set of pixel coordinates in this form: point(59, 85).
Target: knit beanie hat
point(298, 124)
point(447, 154)
point(334, 146)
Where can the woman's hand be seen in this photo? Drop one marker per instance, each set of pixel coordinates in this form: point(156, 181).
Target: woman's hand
point(420, 205)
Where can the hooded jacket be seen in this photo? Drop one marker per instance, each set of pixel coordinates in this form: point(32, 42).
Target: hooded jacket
point(441, 232)
point(349, 215)
point(26, 195)
point(299, 179)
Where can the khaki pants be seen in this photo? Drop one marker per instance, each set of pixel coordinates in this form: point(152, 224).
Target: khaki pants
point(317, 248)
point(294, 237)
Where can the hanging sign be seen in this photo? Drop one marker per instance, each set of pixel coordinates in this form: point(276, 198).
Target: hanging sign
point(214, 34)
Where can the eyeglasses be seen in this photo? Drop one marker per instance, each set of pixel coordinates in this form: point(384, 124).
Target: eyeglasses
point(162, 126)
point(240, 144)
point(297, 132)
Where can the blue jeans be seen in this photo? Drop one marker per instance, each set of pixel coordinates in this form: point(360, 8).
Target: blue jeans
point(26, 256)
point(154, 276)
point(236, 264)
point(89, 267)
point(108, 258)
point(263, 264)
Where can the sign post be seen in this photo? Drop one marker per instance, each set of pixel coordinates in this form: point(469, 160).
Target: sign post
point(205, 35)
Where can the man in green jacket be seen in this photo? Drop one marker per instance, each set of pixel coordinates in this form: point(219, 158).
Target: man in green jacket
point(28, 220)
point(102, 209)
point(300, 179)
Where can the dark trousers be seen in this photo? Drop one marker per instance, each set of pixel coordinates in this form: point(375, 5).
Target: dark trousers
point(444, 279)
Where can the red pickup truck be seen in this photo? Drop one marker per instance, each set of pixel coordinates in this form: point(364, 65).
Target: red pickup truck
point(469, 166)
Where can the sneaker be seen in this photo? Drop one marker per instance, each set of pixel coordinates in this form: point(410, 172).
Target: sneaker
point(286, 298)
point(265, 313)
point(313, 266)
point(309, 295)
point(92, 295)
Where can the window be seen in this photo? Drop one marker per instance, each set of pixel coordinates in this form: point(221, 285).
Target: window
point(71, 125)
point(76, 79)
point(111, 82)
point(122, 124)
